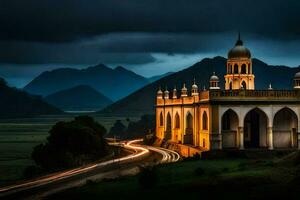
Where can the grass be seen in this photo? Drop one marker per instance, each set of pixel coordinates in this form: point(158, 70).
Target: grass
point(19, 136)
point(226, 179)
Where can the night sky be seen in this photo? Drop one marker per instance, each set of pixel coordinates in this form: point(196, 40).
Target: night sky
point(149, 37)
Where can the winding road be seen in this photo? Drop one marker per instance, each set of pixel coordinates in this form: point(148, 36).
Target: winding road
point(127, 165)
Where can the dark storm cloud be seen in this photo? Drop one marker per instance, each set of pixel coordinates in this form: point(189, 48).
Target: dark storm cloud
point(68, 20)
point(20, 52)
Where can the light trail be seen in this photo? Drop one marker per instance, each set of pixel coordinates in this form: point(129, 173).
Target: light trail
point(140, 151)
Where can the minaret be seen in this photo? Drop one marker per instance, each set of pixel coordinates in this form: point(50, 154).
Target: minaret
point(239, 68)
point(184, 91)
point(166, 94)
point(297, 81)
point(174, 96)
point(194, 89)
point(214, 82)
point(159, 94)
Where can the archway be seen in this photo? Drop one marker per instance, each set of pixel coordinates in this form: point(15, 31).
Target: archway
point(188, 137)
point(244, 86)
point(285, 125)
point(243, 69)
point(177, 121)
point(229, 129)
point(168, 134)
point(161, 119)
point(204, 121)
point(230, 86)
point(255, 129)
point(236, 69)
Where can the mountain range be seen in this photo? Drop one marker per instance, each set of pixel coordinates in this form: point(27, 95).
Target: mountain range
point(142, 101)
point(17, 103)
point(112, 83)
point(78, 98)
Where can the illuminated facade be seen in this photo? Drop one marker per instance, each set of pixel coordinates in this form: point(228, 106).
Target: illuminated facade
point(236, 117)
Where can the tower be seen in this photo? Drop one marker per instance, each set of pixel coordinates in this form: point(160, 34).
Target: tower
point(194, 89)
point(214, 82)
point(184, 91)
point(239, 68)
point(297, 81)
point(159, 94)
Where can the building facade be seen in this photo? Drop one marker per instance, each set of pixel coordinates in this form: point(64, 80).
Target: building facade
point(237, 116)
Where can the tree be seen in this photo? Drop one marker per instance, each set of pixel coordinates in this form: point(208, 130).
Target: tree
point(71, 144)
point(118, 129)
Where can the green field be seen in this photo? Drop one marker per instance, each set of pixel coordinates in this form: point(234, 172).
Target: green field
point(211, 179)
point(19, 136)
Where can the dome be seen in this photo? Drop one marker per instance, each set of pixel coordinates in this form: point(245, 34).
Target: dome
point(214, 77)
point(159, 91)
point(184, 88)
point(239, 50)
point(194, 86)
point(297, 75)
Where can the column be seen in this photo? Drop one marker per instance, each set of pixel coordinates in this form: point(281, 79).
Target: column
point(241, 134)
point(270, 138)
point(298, 133)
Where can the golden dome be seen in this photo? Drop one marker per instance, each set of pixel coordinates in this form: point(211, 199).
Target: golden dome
point(239, 50)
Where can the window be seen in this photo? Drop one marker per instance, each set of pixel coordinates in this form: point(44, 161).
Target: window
point(243, 70)
point(229, 69)
point(161, 119)
point(236, 69)
point(204, 121)
point(244, 86)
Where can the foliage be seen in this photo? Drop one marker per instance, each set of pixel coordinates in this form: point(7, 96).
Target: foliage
point(144, 126)
point(118, 129)
point(71, 144)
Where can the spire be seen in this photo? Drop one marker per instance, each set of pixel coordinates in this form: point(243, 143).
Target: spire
point(174, 93)
point(270, 87)
point(239, 42)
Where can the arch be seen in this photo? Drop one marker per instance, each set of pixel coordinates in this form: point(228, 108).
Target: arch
point(255, 128)
point(161, 119)
point(236, 69)
point(285, 125)
point(168, 133)
point(244, 85)
point(244, 69)
point(188, 137)
point(204, 121)
point(229, 129)
point(177, 120)
point(229, 68)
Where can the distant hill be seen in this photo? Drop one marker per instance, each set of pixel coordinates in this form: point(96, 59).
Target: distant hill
point(143, 100)
point(17, 103)
point(155, 78)
point(113, 83)
point(79, 98)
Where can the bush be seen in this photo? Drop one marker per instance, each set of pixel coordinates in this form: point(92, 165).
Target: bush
point(148, 177)
point(71, 144)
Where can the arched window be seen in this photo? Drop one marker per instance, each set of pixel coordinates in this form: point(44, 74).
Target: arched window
point(161, 119)
point(243, 69)
point(236, 69)
point(230, 86)
point(244, 86)
point(229, 68)
point(204, 121)
point(177, 121)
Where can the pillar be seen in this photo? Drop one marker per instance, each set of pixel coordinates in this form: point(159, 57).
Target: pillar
point(298, 140)
point(270, 138)
point(241, 134)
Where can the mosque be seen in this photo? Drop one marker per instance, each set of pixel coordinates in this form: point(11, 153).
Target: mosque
point(236, 117)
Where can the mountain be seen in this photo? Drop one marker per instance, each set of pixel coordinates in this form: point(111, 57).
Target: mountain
point(157, 77)
point(17, 103)
point(143, 100)
point(113, 83)
point(79, 98)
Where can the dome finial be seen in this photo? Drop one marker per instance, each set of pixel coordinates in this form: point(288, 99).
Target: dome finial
point(239, 42)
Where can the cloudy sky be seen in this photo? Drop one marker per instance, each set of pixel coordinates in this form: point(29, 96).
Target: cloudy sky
point(149, 37)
